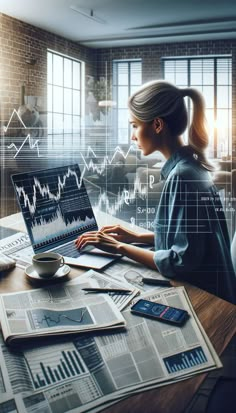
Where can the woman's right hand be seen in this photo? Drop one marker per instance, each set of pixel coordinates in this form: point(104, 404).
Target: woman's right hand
point(120, 233)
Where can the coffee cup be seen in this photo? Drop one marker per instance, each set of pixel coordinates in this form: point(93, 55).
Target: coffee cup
point(46, 264)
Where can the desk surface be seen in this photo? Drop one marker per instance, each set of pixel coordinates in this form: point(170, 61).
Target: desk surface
point(218, 318)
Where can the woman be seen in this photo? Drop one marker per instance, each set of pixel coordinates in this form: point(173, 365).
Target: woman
point(190, 232)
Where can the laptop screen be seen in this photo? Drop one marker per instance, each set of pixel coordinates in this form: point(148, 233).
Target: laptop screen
point(55, 205)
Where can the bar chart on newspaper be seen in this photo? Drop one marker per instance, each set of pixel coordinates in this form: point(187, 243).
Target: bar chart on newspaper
point(59, 364)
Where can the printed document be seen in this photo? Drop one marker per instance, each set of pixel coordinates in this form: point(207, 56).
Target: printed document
point(57, 309)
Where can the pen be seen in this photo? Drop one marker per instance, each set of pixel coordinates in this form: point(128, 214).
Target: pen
point(107, 290)
point(156, 281)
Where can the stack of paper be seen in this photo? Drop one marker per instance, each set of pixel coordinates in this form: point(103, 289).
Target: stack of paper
point(89, 372)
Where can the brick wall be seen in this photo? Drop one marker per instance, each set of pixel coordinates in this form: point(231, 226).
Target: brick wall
point(20, 42)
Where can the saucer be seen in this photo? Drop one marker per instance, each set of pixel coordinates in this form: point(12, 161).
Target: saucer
point(60, 274)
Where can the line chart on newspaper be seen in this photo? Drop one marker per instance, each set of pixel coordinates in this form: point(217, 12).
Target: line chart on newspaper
point(89, 372)
point(59, 309)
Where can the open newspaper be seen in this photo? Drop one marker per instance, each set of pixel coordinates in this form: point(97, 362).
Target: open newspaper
point(18, 247)
point(57, 309)
point(90, 372)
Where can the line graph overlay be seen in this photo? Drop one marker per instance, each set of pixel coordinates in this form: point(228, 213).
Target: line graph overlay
point(100, 167)
point(131, 197)
point(32, 144)
point(5, 128)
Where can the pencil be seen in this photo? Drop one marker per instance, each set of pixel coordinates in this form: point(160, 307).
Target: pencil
point(107, 290)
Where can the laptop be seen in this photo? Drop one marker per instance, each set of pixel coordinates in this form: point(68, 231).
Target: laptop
point(56, 210)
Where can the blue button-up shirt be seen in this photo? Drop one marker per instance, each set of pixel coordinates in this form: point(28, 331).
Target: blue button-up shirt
point(191, 236)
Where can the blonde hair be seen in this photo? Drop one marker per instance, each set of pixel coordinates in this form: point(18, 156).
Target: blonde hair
point(164, 100)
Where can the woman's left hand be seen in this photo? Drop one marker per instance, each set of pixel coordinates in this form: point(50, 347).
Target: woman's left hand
point(99, 240)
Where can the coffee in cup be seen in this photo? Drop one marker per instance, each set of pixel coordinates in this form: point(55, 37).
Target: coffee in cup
point(46, 264)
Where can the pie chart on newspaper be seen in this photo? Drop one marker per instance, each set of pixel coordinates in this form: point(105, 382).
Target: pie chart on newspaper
point(59, 275)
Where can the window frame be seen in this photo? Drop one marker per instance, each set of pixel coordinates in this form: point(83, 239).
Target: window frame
point(216, 59)
point(73, 131)
point(115, 93)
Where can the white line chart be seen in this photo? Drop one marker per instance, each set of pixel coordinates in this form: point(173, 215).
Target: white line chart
point(32, 145)
point(5, 128)
point(28, 139)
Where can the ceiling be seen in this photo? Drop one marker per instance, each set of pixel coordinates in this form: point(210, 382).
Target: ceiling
point(115, 23)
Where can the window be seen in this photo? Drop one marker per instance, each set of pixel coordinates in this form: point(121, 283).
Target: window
point(127, 77)
point(64, 91)
point(213, 77)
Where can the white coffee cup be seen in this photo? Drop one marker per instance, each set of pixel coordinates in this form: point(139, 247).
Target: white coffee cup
point(46, 264)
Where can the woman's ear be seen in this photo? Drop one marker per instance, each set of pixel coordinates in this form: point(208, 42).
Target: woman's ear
point(158, 124)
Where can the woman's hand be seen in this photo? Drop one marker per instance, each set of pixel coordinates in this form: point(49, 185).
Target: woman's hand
point(100, 240)
point(120, 233)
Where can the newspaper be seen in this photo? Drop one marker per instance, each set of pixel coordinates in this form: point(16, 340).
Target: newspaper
point(130, 272)
point(90, 372)
point(104, 281)
point(57, 309)
point(18, 247)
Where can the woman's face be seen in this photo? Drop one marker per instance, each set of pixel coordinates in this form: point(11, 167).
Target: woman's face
point(144, 134)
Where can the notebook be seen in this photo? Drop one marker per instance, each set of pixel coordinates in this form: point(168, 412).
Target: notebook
point(56, 210)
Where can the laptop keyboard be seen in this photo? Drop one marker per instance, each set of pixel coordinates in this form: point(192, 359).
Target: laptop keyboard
point(68, 250)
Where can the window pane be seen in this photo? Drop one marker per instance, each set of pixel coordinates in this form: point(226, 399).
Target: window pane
point(57, 70)
point(196, 72)
point(67, 100)
point(127, 77)
point(76, 75)
point(49, 103)
point(222, 97)
point(132, 90)
point(208, 93)
point(169, 70)
point(123, 74)
point(49, 120)
point(122, 96)
point(57, 99)
point(49, 67)
point(181, 73)
point(67, 73)
point(224, 72)
point(123, 118)
point(57, 123)
point(135, 76)
point(67, 124)
point(76, 124)
point(76, 102)
point(123, 136)
point(208, 72)
point(62, 101)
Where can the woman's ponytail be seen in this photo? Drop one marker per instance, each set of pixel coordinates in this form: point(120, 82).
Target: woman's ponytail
point(198, 135)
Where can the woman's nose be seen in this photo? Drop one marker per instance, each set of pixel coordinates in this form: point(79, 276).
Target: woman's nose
point(133, 137)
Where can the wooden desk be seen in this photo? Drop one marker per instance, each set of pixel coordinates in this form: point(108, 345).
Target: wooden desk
point(217, 317)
